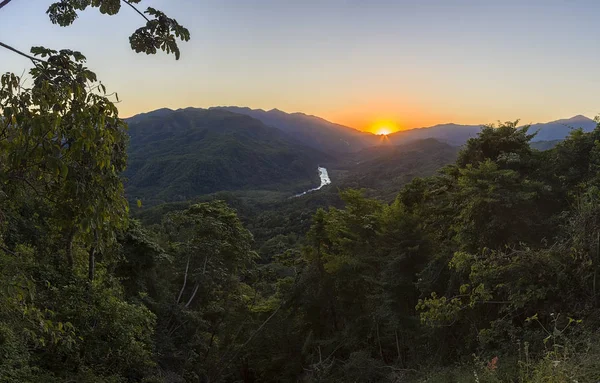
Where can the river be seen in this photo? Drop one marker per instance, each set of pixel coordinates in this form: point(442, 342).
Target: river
point(325, 180)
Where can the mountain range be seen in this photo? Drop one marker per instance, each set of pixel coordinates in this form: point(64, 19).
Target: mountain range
point(176, 155)
point(311, 130)
point(455, 134)
point(383, 170)
point(330, 137)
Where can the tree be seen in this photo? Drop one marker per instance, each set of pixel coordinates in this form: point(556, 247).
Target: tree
point(160, 31)
point(209, 294)
point(505, 142)
point(62, 140)
point(62, 149)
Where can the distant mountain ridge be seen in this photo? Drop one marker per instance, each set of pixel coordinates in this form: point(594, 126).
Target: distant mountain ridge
point(312, 131)
point(329, 137)
point(455, 134)
point(560, 129)
point(452, 134)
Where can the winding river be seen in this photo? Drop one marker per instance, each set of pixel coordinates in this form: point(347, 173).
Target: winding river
point(325, 180)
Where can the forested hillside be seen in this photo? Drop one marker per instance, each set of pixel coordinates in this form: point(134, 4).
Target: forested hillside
point(178, 155)
point(383, 170)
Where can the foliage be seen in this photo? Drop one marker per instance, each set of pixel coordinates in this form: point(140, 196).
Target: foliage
point(160, 32)
point(179, 155)
point(63, 314)
point(486, 271)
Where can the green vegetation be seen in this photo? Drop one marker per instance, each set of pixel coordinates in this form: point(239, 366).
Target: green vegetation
point(484, 272)
point(178, 155)
point(544, 145)
point(383, 170)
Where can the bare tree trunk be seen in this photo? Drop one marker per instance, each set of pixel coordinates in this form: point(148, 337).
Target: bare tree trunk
point(92, 263)
point(596, 260)
point(187, 266)
point(333, 313)
point(197, 284)
point(224, 366)
point(246, 372)
point(212, 339)
point(193, 295)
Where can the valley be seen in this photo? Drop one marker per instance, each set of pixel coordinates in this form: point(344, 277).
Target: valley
point(179, 158)
point(231, 244)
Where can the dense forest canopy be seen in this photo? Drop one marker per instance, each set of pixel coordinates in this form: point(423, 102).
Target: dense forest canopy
point(486, 271)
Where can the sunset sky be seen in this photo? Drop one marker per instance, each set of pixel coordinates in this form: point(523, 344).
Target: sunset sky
point(359, 63)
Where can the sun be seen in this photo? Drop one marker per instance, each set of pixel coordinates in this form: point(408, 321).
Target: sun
point(384, 127)
point(383, 131)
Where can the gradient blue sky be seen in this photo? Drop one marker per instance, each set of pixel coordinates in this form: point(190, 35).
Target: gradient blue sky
point(413, 63)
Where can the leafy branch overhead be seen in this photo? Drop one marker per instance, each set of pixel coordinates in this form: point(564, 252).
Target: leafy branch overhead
point(160, 32)
point(61, 139)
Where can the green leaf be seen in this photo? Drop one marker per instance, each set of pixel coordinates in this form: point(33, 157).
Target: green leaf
point(64, 170)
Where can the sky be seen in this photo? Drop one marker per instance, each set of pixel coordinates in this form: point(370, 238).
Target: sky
point(399, 63)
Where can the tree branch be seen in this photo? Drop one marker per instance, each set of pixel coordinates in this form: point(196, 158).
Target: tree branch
point(135, 9)
point(34, 59)
point(6, 250)
point(3, 3)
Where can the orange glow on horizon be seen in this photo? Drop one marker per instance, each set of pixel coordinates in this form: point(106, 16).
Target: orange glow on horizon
point(393, 113)
point(384, 127)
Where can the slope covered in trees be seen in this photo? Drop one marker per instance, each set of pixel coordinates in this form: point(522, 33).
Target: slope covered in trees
point(178, 155)
point(383, 170)
point(487, 271)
